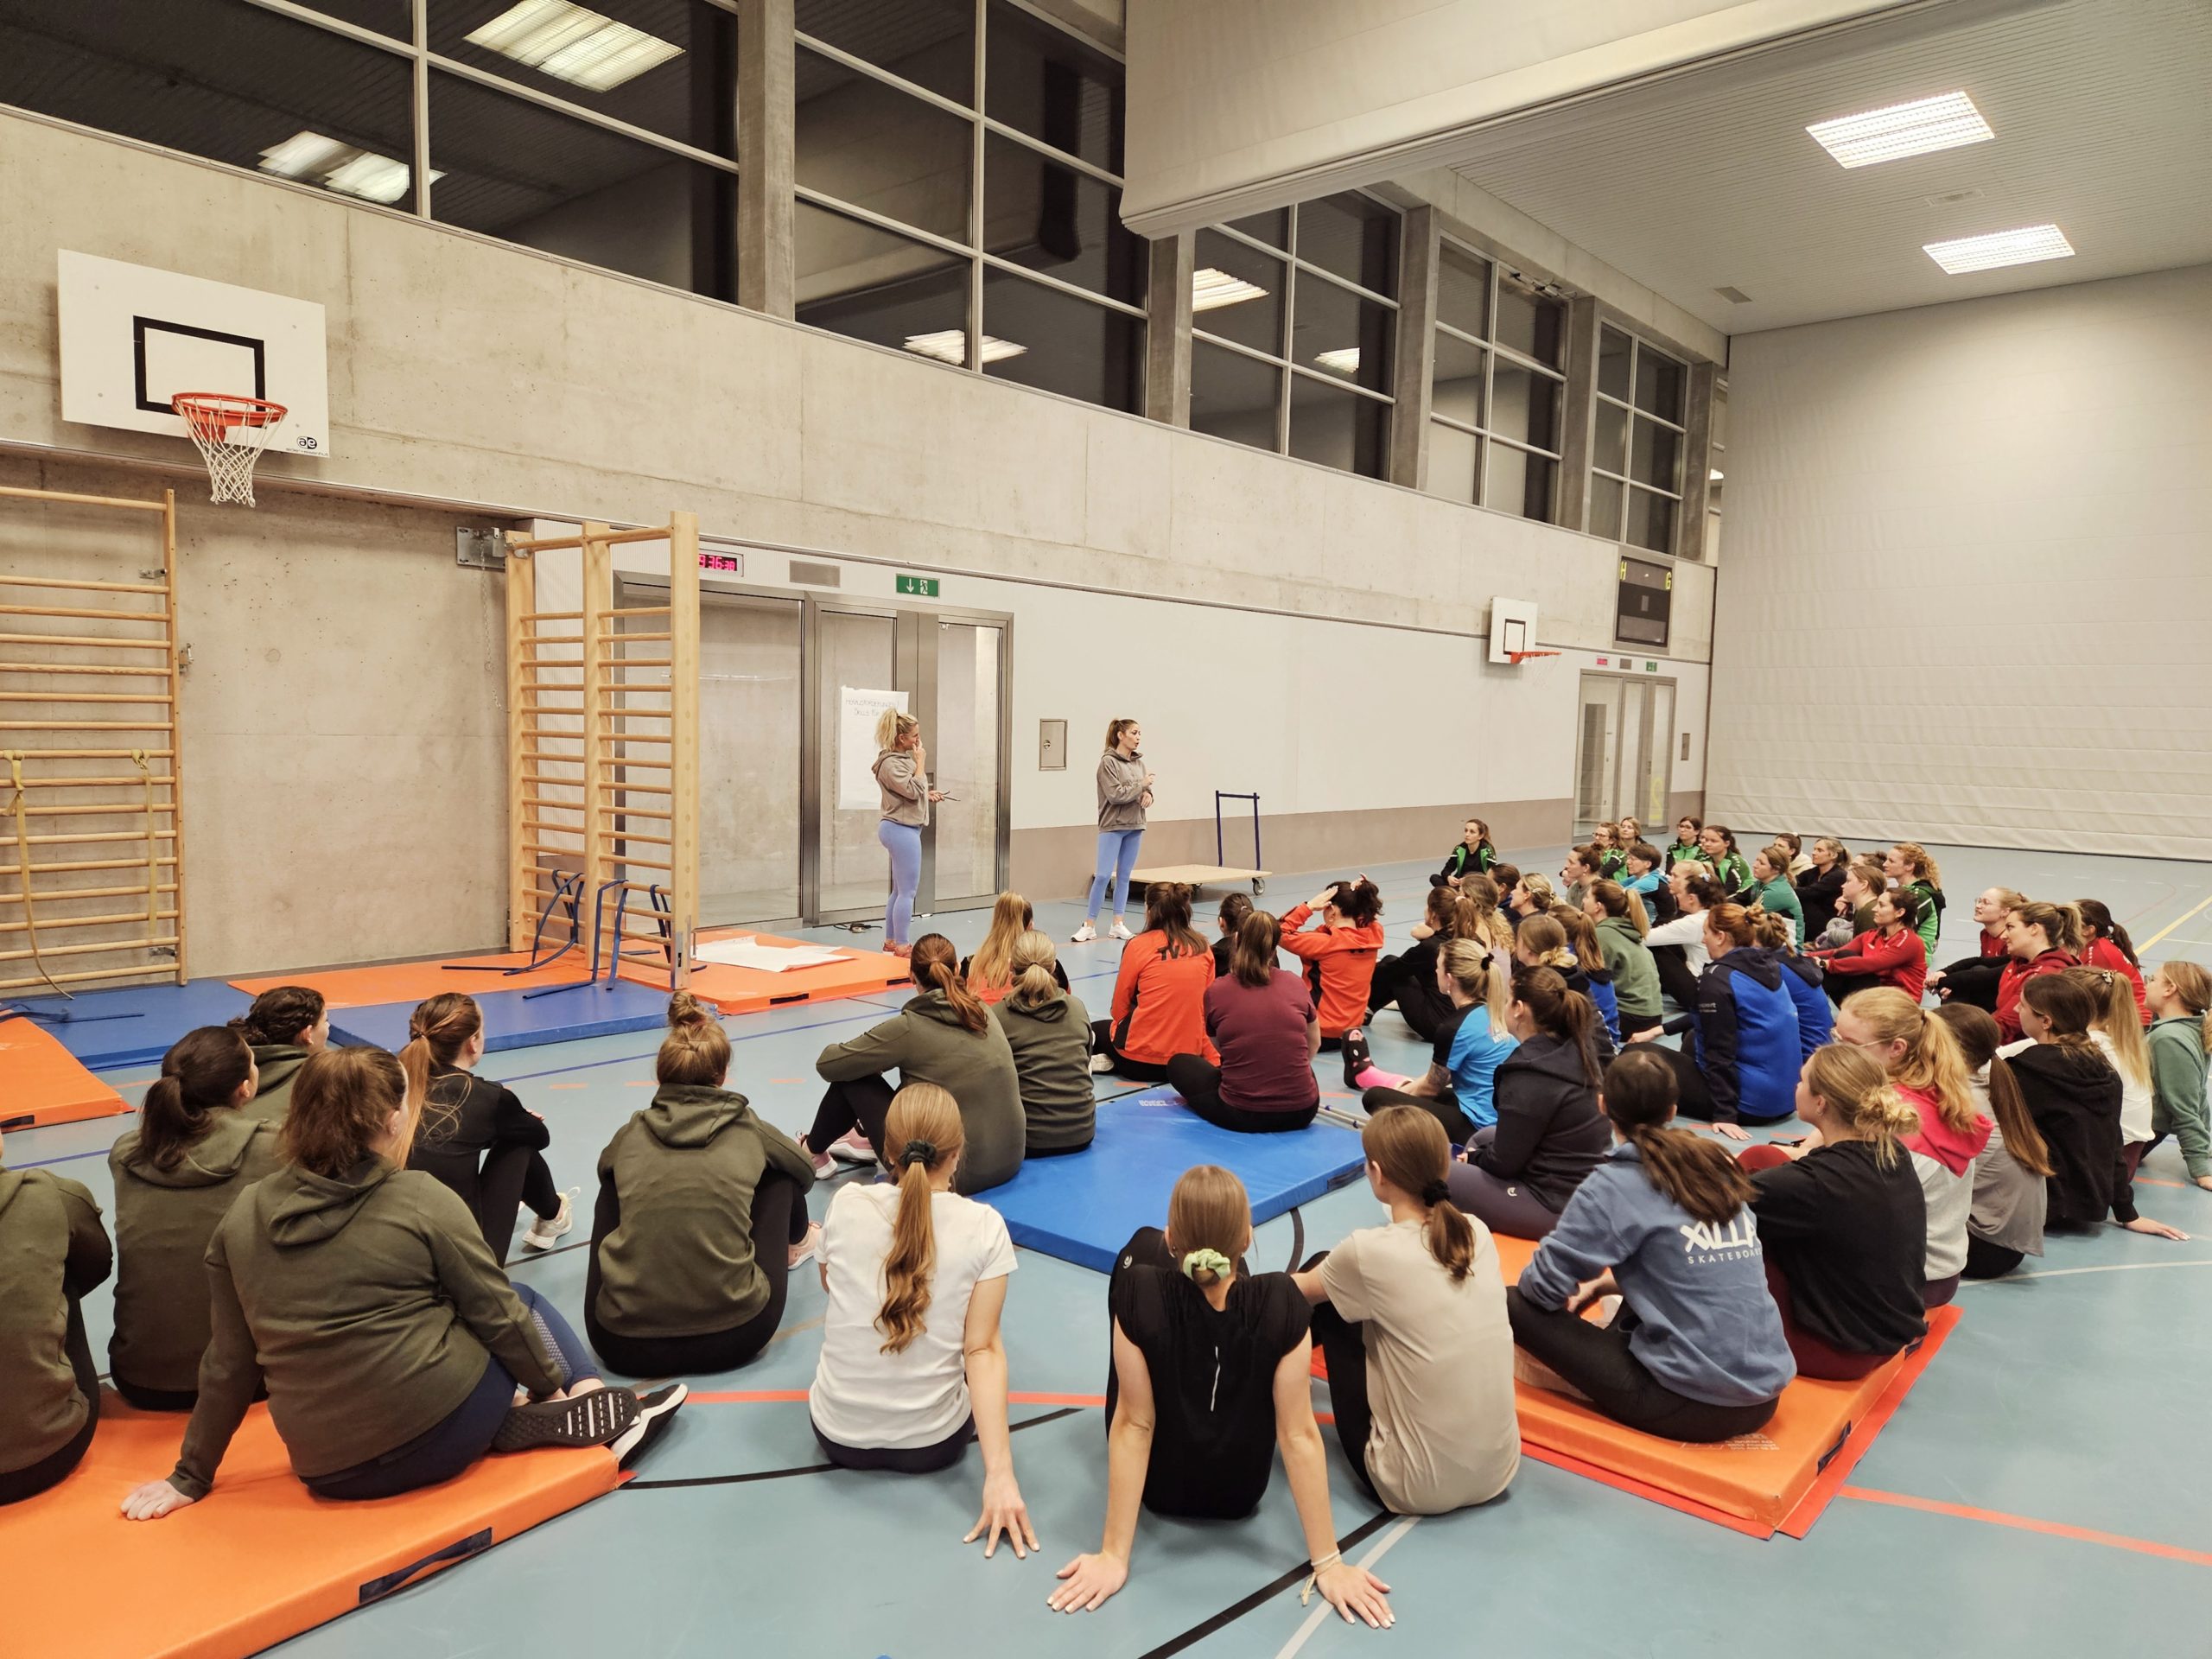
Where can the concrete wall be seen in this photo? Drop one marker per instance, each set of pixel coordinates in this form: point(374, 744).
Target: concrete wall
point(1978, 537)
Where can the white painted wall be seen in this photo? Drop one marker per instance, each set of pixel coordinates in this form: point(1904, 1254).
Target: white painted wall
point(1978, 539)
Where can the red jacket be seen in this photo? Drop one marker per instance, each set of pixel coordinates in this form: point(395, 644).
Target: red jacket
point(1902, 961)
point(1160, 1001)
point(1993, 944)
point(1344, 960)
point(2017, 974)
point(2104, 953)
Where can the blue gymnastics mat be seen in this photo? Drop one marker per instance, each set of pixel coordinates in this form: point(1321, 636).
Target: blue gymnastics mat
point(515, 1018)
point(134, 1024)
point(1083, 1207)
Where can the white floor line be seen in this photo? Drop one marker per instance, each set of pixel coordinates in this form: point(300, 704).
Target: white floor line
point(2068, 1273)
point(1313, 1619)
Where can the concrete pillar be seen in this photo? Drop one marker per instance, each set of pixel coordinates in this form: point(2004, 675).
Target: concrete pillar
point(1167, 330)
point(1410, 374)
point(1697, 464)
point(767, 146)
point(1578, 424)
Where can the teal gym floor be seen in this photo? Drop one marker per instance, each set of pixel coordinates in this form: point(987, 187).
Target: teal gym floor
point(2035, 1494)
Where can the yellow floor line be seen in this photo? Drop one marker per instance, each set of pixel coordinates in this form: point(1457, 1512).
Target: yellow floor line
point(2201, 904)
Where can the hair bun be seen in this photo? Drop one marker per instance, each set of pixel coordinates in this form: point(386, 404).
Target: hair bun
point(918, 1151)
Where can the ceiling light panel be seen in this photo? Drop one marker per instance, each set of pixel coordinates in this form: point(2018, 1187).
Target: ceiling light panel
point(950, 346)
point(1915, 129)
point(2019, 247)
point(1344, 360)
point(574, 43)
point(1211, 289)
point(314, 158)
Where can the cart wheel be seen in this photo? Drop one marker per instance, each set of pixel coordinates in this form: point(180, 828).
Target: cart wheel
point(1259, 884)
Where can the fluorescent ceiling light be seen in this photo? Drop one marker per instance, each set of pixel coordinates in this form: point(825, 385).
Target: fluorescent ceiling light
point(2020, 247)
point(1344, 360)
point(574, 43)
point(1210, 288)
point(950, 346)
point(1913, 129)
point(316, 159)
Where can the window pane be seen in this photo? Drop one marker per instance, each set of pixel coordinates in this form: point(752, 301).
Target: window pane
point(1463, 290)
point(1233, 397)
point(872, 285)
point(667, 66)
point(930, 42)
point(1650, 520)
point(1605, 508)
point(878, 147)
point(1272, 227)
point(518, 171)
point(225, 81)
point(1052, 86)
point(1609, 453)
point(1520, 482)
point(1529, 323)
point(1524, 406)
point(1353, 235)
point(1336, 428)
point(1043, 214)
point(1660, 384)
point(1219, 307)
point(1451, 463)
point(1072, 346)
point(1327, 322)
point(1457, 390)
point(1612, 363)
point(1655, 458)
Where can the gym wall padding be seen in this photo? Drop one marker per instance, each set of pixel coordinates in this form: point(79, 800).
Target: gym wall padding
point(1966, 574)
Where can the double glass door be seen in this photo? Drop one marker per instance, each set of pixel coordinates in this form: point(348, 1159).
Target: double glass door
point(1623, 762)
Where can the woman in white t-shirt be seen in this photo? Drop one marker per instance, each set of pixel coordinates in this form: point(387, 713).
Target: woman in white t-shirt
point(1411, 1317)
point(913, 1366)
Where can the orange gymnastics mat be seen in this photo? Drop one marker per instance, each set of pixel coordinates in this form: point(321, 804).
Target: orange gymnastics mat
point(412, 982)
point(748, 990)
point(42, 1083)
point(1777, 1480)
point(255, 1562)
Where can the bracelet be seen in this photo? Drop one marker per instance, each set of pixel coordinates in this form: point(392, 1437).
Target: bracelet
point(1313, 1579)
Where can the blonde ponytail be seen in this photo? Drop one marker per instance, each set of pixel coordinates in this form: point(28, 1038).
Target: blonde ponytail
point(921, 1135)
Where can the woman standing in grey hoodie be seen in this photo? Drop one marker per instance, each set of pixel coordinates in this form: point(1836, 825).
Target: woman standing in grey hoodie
point(1124, 792)
point(902, 773)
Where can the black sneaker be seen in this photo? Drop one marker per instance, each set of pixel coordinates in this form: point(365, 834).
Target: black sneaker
point(591, 1419)
point(1356, 1058)
point(656, 1411)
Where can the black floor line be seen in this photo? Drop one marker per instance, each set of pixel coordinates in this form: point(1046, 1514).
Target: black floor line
point(1266, 1592)
point(1297, 1239)
point(524, 1260)
point(814, 1468)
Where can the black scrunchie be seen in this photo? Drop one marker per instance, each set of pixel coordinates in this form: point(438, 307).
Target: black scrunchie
point(1436, 1192)
point(918, 1152)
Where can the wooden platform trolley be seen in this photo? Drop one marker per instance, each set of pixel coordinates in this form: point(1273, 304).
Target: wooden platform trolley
point(1220, 872)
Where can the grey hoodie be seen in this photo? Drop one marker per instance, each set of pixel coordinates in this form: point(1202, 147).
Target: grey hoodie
point(279, 1063)
point(905, 791)
point(164, 1219)
point(1121, 791)
point(52, 1249)
point(1051, 1056)
point(926, 1043)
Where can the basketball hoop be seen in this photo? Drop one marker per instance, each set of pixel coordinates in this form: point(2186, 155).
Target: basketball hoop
point(1521, 656)
point(231, 431)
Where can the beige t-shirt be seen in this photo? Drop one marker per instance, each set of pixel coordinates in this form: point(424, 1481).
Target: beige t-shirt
point(1439, 1368)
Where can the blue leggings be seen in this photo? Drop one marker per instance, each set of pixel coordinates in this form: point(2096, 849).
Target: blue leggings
point(1117, 856)
point(904, 842)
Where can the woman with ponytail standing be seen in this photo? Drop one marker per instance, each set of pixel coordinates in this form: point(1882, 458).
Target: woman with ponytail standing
point(903, 778)
point(1695, 1349)
point(2178, 997)
point(285, 1024)
point(1049, 1031)
point(701, 1217)
point(1842, 1220)
point(913, 1364)
point(944, 1036)
point(1210, 1376)
point(1124, 796)
point(476, 1136)
point(1411, 1317)
point(195, 1150)
point(1520, 1172)
point(2004, 1226)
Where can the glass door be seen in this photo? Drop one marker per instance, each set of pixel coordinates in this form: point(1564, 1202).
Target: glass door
point(1624, 763)
point(847, 877)
point(1659, 767)
point(962, 863)
point(1597, 758)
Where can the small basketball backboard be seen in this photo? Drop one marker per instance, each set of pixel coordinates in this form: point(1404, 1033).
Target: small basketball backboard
point(1512, 628)
point(132, 337)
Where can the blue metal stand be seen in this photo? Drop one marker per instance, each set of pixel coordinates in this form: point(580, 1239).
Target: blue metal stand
point(1259, 882)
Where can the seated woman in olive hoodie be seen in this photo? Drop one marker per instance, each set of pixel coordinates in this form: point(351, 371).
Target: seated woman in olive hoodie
point(361, 1295)
point(285, 1024)
point(53, 1251)
point(702, 1215)
point(1049, 1031)
point(195, 1149)
point(943, 1036)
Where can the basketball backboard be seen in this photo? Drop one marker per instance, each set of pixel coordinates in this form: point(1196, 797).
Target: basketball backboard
point(132, 337)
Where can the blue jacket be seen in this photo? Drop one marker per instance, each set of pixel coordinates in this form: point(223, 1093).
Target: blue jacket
point(1706, 1325)
point(1801, 977)
point(1747, 1044)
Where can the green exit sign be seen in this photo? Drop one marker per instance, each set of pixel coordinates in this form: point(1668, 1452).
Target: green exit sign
point(926, 586)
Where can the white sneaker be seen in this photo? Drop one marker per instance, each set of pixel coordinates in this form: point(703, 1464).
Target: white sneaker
point(803, 1252)
point(1101, 1064)
point(1083, 935)
point(852, 1148)
point(825, 1165)
point(546, 1230)
point(1120, 931)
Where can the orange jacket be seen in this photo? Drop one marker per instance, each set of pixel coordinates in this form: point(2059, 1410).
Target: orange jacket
point(1160, 1001)
point(1344, 959)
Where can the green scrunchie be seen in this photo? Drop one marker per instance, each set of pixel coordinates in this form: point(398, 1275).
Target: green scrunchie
point(1212, 1262)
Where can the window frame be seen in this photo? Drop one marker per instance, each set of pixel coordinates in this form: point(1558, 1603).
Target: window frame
point(1490, 349)
point(1633, 412)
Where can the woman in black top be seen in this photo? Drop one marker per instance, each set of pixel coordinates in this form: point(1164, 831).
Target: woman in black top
point(1414, 968)
point(1819, 887)
point(1234, 909)
point(1843, 1220)
point(475, 1136)
point(1518, 1174)
point(1210, 1377)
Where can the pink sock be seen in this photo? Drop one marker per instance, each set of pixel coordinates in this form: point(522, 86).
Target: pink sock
point(1370, 1077)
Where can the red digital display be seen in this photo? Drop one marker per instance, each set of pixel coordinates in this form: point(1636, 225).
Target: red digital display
point(729, 562)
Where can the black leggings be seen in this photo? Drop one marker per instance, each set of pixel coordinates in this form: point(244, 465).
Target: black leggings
point(864, 1102)
point(1198, 1082)
point(1988, 1261)
point(778, 1220)
point(1695, 1094)
point(899, 1459)
point(1342, 1344)
point(1675, 977)
point(1459, 1128)
point(1423, 1007)
point(1973, 982)
point(512, 1176)
point(49, 1471)
point(1596, 1360)
point(1102, 1042)
point(1840, 985)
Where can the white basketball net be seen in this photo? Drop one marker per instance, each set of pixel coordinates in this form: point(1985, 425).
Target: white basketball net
point(231, 433)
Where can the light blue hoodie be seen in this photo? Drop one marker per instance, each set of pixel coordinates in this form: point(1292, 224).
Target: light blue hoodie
point(1705, 1325)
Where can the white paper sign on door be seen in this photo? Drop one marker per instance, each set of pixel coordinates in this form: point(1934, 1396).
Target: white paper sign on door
point(857, 712)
